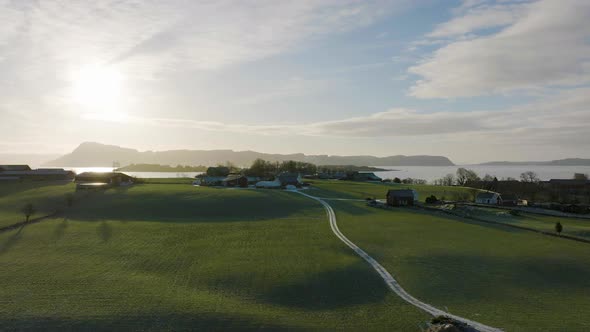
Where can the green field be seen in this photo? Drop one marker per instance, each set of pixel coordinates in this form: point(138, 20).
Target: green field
point(577, 227)
point(500, 276)
point(46, 197)
point(362, 190)
point(174, 257)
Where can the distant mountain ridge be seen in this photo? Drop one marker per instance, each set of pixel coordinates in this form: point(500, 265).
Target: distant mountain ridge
point(559, 162)
point(90, 154)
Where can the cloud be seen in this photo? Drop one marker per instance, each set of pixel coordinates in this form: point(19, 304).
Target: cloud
point(154, 37)
point(560, 120)
point(543, 44)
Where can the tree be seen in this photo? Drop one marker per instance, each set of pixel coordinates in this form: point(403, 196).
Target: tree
point(580, 176)
point(397, 180)
point(488, 178)
point(448, 180)
point(529, 177)
point(70, 199)
point(28, 210)
point(465, 176)
point(558, 227)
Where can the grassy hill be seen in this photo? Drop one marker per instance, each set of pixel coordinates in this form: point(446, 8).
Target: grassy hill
point(503, 277)
point(177, 257)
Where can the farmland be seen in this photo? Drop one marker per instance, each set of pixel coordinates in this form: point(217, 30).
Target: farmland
point(173, 257)
point(503, 277)
point(362, 190)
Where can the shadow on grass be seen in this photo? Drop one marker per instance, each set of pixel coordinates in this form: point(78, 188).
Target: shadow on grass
point(188, 206)
point(351, 208)
point(492, 278)
point(343, 287)
point(60, 229)
point(11, 240)
point(105, 231)
point(13, 188)
point(150, 322)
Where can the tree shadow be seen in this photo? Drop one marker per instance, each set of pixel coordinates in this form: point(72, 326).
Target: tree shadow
point(11, 240)
point(105, 231)
point(60, 229)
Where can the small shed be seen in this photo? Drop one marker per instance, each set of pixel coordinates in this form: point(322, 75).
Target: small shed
point(235, 180)
point(488, 198)
point(401, 197)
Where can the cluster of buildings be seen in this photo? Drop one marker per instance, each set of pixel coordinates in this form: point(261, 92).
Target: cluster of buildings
point(221, 176)
point(86, 180)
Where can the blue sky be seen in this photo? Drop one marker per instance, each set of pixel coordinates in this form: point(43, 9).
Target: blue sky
point(473, 80)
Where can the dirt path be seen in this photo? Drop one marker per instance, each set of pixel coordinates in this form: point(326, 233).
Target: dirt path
point(388, 278)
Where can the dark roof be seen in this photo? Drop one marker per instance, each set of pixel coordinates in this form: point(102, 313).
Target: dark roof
point(232, 177)
point(509, 197)
point(486, 195)
point(15, 168)
point(400, 193)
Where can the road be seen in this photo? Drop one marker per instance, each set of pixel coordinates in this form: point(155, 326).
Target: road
point(388, 278)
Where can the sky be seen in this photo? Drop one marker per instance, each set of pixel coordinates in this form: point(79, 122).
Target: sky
point(472, 80)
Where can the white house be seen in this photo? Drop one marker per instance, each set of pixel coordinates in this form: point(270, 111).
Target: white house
point(488, 198)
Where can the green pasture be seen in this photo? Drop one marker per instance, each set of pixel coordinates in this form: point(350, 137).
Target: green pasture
point(504, 277)
point(177, 257)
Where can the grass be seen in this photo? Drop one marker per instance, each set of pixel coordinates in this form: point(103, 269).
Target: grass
point(46, 197)
point(362, 190)
point(177, 257)
point(516, 280)
point(571, 226)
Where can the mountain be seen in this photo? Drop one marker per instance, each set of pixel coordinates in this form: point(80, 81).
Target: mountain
point(560, 162)
point(92, 154)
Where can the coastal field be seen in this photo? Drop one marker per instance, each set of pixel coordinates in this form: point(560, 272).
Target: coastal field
point(500, 276)
point(362, 190)
point(177, 257)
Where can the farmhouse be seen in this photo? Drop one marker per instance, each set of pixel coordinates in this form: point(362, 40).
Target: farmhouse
point(206, 180)
point(235, 180)
point(24, 172)
point(292, 179)
point(89, 180)
point(488, 198)
point(401, 197)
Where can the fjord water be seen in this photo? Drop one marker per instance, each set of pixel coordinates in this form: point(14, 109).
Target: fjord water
point(431, 173)
point(428, 173)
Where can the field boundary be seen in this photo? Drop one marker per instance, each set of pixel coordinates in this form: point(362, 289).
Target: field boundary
point(388, 278)
point(563, 236)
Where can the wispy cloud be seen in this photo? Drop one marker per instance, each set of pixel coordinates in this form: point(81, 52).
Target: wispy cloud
point(540, 44)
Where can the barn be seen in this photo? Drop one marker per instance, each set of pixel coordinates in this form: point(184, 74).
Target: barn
point(235, 180)
point(488, 198)
point(401, 197)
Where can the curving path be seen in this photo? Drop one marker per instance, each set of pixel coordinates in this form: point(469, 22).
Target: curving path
point(388, 278)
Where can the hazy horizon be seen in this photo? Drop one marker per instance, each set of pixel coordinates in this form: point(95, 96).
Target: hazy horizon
point(472, 80)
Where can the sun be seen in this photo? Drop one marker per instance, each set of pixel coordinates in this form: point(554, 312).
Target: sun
point(97, 88)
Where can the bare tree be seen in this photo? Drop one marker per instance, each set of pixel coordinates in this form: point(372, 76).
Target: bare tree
point(530, 177)
point(466, 175)
point(28, 210)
